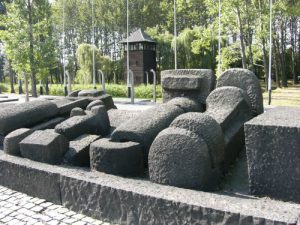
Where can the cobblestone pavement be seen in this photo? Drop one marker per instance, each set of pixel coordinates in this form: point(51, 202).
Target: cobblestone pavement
point(17, 208)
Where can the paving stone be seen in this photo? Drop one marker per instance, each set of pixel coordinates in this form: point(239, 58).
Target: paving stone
point(44, 146)
point(25, 114)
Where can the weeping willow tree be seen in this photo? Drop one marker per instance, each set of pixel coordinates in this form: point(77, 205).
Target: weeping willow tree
point(84, 56)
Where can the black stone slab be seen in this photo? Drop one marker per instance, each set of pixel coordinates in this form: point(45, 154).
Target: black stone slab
point(273, 153)
point(25, 115)
point(137, 201)
point(32, 178)
point(4, 100)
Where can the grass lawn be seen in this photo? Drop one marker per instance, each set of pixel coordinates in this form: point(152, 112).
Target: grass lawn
point(284, 96)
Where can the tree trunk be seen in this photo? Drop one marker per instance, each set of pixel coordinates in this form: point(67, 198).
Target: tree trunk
point(293, 43)
point(279, 63)
point(249, 36)
point(276, 63)
point(265, 56)
point(11, 78)
point(31, 52)
point(283, 63)
point(241, 37)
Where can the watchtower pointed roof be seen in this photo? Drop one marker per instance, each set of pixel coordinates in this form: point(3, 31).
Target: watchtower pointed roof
point(138, 36)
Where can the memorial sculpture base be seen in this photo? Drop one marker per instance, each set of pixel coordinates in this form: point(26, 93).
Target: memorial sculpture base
point(138, 201)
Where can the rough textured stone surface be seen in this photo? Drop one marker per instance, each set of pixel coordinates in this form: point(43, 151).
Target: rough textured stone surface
point(230, 108)
point(137, 201)
point(206, 84)
point(76, 126)
point(44, 146)
point(25, 114)
point(27, 176)
point(108, 101)
point(118, 116)
point(273, 153)
point(184, 82)
point(144, 128)
point(90, 93)
point(50, 124)
point(77, 112)
point(95, 122)
point(103, 123)
point(179, 158)
point(246, 80)
point(1, 140)
point(119, 158)
point(78, 153)
point(187, 104)
point(74, 93)
point(12, 140)
point(66, 108)
point(94, 103)
point(208, 129)
point(142, 202)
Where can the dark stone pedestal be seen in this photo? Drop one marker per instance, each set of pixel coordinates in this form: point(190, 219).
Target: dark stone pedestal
point(273, 152)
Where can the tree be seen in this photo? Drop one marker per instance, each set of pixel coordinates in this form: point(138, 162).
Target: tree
point(85, 60)
point(27, 38)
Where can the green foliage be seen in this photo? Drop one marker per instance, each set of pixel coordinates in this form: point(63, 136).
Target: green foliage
point(3, 88)
point(116, 90)
point(85, 60)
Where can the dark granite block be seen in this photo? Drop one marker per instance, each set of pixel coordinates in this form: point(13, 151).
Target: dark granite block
point(145, 127)
point(25, 115)
point(78, 153)
point(12, 140)
point(131, 201)
point(180, 158)
point(67, 108)
point(50, 124)
point(26, 176)
point(191, 83)
point(184, 82)
point(273, 153)
point(246, 80)
point(44, 146)
point(125, 158)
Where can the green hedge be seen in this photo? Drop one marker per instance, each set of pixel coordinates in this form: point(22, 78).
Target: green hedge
point(116, 90)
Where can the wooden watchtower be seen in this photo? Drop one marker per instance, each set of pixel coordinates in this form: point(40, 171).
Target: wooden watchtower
point(142, 56)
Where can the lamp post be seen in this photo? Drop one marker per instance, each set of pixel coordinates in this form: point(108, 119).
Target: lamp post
point(175, 36)
point(63, 47)
point(93, 40)
point(219, 41)
point(270, 56)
